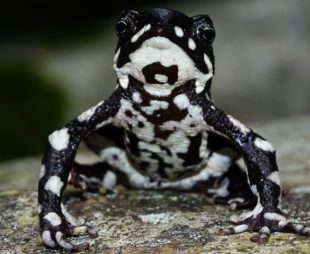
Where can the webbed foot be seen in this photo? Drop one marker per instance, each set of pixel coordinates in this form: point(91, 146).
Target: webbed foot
point(57, 226)
point(264, 221)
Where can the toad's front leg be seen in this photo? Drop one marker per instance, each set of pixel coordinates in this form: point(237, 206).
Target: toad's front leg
point(56, 224)
point(262, 173)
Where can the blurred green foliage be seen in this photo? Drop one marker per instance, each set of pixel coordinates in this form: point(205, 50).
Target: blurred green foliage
point(31, 106)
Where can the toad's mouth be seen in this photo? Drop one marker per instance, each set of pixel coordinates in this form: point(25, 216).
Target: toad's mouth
point(156, 73)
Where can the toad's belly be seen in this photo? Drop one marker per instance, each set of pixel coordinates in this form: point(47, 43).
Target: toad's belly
point(172, 157)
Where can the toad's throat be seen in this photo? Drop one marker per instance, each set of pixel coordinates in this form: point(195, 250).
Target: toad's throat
point(156, 73)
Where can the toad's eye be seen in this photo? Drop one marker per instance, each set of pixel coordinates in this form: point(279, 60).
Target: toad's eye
point(205, 33)
point(121, 27)
point(203, 28)
point(127, 22)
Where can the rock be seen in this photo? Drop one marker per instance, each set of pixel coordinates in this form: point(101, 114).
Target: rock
point(145, 222)
point(160, 222)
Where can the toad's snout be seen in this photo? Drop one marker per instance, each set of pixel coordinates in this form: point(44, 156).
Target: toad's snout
point(159, 43)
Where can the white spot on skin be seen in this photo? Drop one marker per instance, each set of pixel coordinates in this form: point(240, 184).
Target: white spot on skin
point(274, 216)
point(208, 62)
point(264, 145)
point(236, 200)
point(181, 101)
point(203, 151)
point(59, 139)
point(191, 44)
point(136, 96)
point(254, 190)
point(155, 105)
point(153, 90)
point(282, 224)
point(39, 209)
point(265, 230)
point(93, 180)
point(198, 83)
point(161, 78)
point(47, 239)
point(109, 180)
point(161, 49)
point(178, 142)
point(99, 125)
point(85, 116)
point(156, 218)
point(124, 81)
point(54, 184)
point(238, 124)
point(53, 218)
point(140, 33)
point(219, 161)
point(199, 86)
point(62, 242)
point(70, 177)
point(80, 230)
point(241, 228)
point(275, 177)
point(42, 171)
point(178, 31)
point(149, 147)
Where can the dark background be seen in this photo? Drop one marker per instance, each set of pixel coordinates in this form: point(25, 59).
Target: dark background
point(56, 61)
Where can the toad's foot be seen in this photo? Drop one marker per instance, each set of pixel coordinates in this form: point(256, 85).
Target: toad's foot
point(264, 221)
point(56, 227)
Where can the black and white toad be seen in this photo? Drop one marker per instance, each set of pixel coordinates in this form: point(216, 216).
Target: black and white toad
point(160, 130)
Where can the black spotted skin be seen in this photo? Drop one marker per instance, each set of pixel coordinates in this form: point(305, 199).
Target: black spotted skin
point(160, 130)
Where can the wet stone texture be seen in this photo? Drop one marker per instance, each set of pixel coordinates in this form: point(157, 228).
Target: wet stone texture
point(134, 222)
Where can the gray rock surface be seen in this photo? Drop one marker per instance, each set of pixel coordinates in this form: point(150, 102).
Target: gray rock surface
point(160, 222)
point(145, 222)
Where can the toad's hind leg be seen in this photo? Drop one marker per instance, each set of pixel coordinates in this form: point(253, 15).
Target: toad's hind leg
point(231, 186)
point(103, 174)
point(233, 189)
point(114, 169)
point(94, 177)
